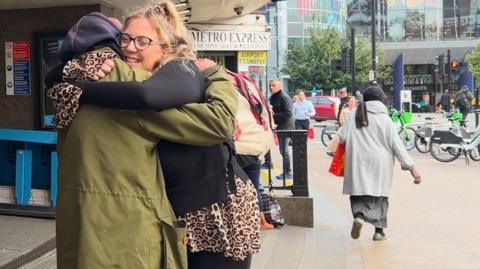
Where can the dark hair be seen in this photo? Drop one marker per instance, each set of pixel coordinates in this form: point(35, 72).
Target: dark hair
point(372, 93)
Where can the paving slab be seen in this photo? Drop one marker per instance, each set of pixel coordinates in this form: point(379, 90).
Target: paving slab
point(24, 238)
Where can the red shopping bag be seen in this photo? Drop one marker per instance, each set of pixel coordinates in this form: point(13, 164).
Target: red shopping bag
point(311, 133)
point(338, 163)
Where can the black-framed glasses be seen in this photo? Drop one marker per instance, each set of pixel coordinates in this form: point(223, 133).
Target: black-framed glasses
point(140, 42)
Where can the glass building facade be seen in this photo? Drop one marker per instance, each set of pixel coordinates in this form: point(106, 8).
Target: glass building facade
point(419, 20)
point(303, 14)
point(422, 30)
point(290, 22)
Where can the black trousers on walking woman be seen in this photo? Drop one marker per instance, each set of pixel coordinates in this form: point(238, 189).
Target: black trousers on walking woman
point(215, 260)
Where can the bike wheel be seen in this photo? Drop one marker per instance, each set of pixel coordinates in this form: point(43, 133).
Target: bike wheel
point(326, 137)
point(442, 153)
point(421, 144)
point(475, 154)
point(407, 135)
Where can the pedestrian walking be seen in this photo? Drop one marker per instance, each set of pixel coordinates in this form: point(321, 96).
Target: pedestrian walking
point(463, 100)
point(343, 95)
point(445, 100)
point(282, 115)
point(371, 145)
point(302, 111)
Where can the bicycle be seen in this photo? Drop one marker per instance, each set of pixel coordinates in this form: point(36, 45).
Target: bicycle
point(425, 130)
point(448, 145)
point(328, 133)
point(406, 133)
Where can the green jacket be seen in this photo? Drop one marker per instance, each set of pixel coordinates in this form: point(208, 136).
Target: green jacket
point(112, 209)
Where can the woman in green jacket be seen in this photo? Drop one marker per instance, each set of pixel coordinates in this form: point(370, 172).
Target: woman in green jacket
point(112, 208)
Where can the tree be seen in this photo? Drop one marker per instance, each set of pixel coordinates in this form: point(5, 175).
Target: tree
point(309, 65)
point(473, 60)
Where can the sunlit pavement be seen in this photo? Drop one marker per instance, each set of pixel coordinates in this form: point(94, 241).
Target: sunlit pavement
point(432, 225)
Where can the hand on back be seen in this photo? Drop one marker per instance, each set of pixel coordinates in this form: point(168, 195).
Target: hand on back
point(104, 70)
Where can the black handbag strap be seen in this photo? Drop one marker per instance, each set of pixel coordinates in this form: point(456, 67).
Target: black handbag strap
point(233, 168)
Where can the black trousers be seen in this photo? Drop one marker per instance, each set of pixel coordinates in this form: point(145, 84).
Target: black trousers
point(215, 260)
point(302, 124)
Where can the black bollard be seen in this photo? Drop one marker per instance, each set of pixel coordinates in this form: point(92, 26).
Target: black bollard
point(299, 160)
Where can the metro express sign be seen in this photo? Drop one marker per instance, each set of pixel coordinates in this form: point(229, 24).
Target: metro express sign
point(230, 41)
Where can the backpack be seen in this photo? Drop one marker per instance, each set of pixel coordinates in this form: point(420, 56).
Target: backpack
point(253, 133)
point(272, 210)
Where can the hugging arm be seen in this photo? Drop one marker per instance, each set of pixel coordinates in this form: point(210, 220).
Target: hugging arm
point(207, 123)
point(174, 85)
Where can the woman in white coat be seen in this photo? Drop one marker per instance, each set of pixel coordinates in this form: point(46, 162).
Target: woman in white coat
point(371, 144)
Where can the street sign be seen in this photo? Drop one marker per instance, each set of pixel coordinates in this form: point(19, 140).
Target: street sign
point(406, 96)
point(371, 75)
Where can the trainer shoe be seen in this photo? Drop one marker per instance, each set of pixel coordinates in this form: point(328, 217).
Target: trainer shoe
point(379, 237)
point(356, 228)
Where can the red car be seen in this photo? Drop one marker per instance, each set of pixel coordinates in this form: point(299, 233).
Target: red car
point(326, 107)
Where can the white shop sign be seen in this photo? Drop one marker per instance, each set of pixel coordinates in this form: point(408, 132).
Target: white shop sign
point(230, 41)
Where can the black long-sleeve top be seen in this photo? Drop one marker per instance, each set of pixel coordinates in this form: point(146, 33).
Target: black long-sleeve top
point(172, 86)
point(282, 110)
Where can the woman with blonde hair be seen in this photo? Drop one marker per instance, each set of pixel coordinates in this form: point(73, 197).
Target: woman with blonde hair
point(219, 211)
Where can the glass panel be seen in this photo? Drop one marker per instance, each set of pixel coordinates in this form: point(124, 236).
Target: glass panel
point(291, 4)
point(450, 24)
point(323, 101)
point(414, 26)
point(466, 24)
point(432, 24)
point(294, 40)
point(292, 16)
point(295, 29)
point(395, 25)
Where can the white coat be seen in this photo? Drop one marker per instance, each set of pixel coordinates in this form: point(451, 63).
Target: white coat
point(370, 153)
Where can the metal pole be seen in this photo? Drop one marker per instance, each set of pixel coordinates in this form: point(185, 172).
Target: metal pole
point(449, 72)
point(278, 39)
point(352, 59)
point(374, 56)
point(477, 96)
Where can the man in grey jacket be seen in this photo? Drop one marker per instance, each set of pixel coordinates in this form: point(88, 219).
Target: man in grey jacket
point(371, 145)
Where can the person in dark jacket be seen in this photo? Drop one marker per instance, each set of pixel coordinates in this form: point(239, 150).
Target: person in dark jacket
point(282, 115)
point(343, 95)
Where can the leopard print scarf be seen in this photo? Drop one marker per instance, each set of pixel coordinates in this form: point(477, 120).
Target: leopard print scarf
point(66, 96)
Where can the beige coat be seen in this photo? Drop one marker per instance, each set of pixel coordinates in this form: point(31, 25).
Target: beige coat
point(370, 153)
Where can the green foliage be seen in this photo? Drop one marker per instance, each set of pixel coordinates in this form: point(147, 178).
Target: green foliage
point(310, 65)
point(473, 60)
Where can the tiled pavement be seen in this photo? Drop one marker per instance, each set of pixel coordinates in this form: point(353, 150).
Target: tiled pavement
point(431, 226)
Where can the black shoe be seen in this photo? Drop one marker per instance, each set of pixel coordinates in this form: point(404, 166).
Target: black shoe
point(287, 176)
point(265, 166)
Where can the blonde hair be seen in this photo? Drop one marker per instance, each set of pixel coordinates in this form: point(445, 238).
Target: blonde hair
point(170, 29)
